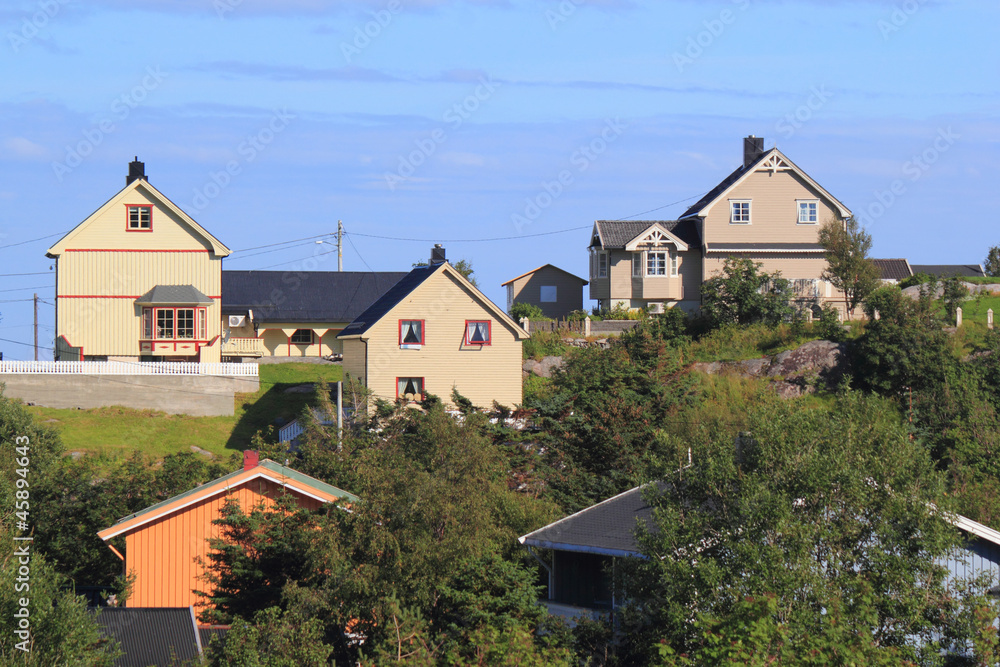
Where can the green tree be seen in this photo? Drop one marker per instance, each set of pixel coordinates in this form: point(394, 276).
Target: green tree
point(463, 266)
point(992, 263)
point(272, 639)
point(815, 510)
point(743, 294)
point(953, 294)
point(848, 267)
point(521, 309)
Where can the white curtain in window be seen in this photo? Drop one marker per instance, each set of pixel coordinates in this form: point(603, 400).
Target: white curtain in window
point(410, 333)
point(478, 332)
point(409, 387)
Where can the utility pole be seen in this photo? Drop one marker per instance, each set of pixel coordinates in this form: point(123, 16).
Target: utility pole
point(36, 327)
point(340, 245)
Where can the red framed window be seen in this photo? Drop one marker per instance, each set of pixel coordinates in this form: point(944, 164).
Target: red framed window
point(302, 337)
point(410, 389)
point(478, 332)
point(138, 218)
point(174, 323)
point(411, 334)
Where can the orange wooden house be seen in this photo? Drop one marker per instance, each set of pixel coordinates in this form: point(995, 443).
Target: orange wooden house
point(162, 542)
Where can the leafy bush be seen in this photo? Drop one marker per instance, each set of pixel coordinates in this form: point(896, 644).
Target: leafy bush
point(529, 310)
point(544, 344)
point(743, 294)
point(916, 279)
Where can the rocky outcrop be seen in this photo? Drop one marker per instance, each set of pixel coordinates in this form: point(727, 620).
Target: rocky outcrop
point(543, 368)
point(793, 372)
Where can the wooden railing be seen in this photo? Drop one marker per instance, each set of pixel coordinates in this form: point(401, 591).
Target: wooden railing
point(243, 347)
point(126, 368)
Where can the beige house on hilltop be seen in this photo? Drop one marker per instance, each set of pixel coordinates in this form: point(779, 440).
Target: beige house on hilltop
point(138, 280)
point(767, 210)
point(557, 292)
point(431, 332)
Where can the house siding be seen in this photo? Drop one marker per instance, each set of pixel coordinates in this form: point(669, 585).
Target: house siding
point(569, 291)
point(163, 553)
point(275, 337)
point(482, 374)
point(102, 269)
point(773, 211)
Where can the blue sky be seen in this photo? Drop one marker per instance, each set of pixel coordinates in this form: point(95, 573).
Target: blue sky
point(448, 120)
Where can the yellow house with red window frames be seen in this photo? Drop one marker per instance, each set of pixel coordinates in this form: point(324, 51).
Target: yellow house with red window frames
point(138, 280)
point(433, 332)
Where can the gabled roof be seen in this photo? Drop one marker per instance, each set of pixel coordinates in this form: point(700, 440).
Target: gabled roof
point(616, 234)
point(312, 296)
point(545, 266)
point(607, 528)
point(413, 280)
point(771, 157)
point(945, 270)
point(893, 269)
point(186, 295)
point(151, 636)
point(217, 247)
point(266, 469)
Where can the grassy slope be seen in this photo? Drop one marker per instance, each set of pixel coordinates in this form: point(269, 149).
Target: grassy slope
point(158, 434)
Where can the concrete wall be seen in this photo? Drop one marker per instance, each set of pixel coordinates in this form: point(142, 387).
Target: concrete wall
point(195, 395)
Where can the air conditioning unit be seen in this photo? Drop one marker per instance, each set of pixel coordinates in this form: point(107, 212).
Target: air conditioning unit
point(236, 321)
point(655, 308)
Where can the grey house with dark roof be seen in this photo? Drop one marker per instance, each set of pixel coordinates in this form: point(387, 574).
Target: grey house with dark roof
point(295, 314)
point(767, 210)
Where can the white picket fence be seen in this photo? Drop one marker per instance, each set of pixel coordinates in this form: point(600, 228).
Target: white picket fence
point(126, 368)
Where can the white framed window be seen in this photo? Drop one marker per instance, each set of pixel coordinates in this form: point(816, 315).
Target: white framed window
point(602, 264)
point(138, 218)
point(656, 263)
point(637, 265)
point(673, 263)
point(547, 293)
point(739, 211)
point(808, 211)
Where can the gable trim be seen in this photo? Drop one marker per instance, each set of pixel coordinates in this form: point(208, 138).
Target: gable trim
point(642, 236)
point(768, 162)
point(217, 246)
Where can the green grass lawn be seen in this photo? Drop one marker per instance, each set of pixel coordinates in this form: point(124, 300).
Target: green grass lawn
point(158, 434)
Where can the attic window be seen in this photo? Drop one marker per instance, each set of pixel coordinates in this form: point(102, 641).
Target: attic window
point(138, 218)
point(411, 334)
point(477, 332)
point(740, 211)
point(808, 211)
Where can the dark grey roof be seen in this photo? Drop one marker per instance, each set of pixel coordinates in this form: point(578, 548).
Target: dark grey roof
point(945, 270)
point(763, 247)
point(210, 633)
point(182, 295)
point(606, 528)
point(721, 187)
point(388, 301)
point(304, 296)
point(151, 636)
point(617, 233)
point(893, 269)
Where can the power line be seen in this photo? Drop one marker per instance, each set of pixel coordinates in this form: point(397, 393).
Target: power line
point(292, 261)
point(264, 252)
point(18, 301)
point(679, 201)
point(36, 273)
point(271, 245)
point(40, 238)
point(497, 238)
point(18, 289)
point(358, 252)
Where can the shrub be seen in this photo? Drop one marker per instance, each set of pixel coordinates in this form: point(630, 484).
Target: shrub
point(529, 310)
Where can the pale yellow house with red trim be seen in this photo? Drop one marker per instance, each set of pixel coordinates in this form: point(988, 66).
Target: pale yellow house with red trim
point(163, 543)
point(137, 280)
point(432, 332)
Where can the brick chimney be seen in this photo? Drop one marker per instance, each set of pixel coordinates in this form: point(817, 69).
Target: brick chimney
point(251, 459)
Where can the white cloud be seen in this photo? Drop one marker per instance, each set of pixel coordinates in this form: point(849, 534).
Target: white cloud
point(23, 148)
